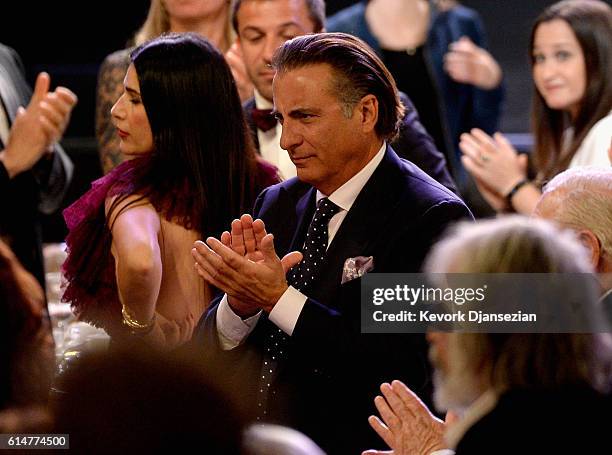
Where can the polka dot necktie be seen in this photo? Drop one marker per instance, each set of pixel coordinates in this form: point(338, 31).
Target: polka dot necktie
point(301, 277)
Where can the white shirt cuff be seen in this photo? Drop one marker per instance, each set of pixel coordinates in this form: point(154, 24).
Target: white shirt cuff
point(287, 310)
point(443, 452)
point(231, 328)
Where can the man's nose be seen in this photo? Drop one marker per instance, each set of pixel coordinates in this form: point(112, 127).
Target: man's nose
point(289, 137)
point(434, 337)
point(270, 47)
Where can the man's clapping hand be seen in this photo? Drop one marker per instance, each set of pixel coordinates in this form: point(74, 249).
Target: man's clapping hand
point(37, 127)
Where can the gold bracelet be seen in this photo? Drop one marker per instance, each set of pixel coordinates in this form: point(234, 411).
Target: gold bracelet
point(135, 326)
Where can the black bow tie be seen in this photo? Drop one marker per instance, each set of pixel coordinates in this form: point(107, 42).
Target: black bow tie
point(263, 119)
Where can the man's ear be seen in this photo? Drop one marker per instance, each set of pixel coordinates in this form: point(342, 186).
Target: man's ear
point(368, 111)
point(591, 242)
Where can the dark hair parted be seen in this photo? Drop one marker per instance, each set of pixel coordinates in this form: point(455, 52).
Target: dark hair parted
point(201, 172)
point(591, 22)
point(316, 11)
point(358, 72)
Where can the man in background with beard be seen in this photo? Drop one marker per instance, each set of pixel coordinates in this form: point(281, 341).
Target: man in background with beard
point(515, 392)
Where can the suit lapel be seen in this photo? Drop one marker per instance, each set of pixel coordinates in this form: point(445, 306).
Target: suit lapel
point(365, 222)
point(304, 211)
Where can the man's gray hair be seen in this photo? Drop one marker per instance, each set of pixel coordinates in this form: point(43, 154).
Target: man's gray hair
point(583, 197)
point(517, 244)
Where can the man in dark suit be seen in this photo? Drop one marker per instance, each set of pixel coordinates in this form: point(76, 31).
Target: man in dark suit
point(294, 338)
point(264, 25)
point(34, 170)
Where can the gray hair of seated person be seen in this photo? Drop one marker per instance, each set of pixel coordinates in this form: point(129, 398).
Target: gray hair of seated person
point(583, 197)
point(517, 244)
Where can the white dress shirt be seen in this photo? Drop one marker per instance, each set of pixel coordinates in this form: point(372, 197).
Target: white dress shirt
point(233, 330)
point(269, 143)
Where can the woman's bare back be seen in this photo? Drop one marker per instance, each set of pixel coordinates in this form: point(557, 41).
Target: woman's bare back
point(182, 291)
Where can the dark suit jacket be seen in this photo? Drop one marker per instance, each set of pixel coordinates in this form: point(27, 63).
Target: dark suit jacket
point(27, 195)
point(326, 385)
point(413, 143)
point(570, 420)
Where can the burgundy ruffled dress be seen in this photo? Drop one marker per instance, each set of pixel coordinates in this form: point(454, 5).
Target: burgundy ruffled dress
point(89, 270)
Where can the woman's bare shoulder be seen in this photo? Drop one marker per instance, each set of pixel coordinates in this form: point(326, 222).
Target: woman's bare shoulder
point(116, 205)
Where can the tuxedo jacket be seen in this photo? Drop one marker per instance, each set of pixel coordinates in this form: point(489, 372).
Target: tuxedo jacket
point(39, 190)
point(326, 383)
point(568, 420)
point(413, 142)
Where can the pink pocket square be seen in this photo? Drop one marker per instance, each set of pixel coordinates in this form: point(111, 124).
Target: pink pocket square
point(356, 267)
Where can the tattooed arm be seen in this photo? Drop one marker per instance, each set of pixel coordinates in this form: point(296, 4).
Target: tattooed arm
point(110, 86)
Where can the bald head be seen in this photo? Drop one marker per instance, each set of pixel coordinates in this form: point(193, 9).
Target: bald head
point(581, 199)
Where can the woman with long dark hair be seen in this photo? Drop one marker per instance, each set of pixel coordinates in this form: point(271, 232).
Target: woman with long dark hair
point(192, 170)
point(571, 57)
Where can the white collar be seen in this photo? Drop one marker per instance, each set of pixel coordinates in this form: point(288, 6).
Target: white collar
point(261, 102)
point(476, 411)
point(344, 197)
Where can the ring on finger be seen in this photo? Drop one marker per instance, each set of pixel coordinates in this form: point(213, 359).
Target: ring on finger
point(484, 158)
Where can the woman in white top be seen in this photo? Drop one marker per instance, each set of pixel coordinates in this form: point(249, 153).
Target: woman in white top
point(571, 60)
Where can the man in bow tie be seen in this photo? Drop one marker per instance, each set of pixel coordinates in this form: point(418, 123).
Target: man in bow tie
point(290, 328)
point(262, 26)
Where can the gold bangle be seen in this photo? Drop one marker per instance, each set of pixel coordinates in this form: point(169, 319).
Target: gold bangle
point(135, 326)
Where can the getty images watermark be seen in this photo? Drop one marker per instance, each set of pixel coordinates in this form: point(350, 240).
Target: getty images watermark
point(502, 303)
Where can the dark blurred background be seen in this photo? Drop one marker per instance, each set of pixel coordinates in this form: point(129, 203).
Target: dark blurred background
point(69, 39)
